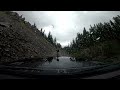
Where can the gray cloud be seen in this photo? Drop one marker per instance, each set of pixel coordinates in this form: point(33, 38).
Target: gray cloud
point(66, 23)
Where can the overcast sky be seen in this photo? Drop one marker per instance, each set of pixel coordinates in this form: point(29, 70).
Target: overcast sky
point(64, 25)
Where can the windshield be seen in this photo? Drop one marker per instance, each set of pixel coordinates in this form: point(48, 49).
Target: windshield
point(59, 42)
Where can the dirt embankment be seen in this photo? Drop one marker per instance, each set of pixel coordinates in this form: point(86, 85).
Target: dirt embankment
point(19, 41)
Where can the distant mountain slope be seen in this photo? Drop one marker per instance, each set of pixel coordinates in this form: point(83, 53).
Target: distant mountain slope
point(19, 40)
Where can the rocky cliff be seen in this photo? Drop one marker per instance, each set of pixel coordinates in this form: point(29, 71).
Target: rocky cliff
point(19, 40)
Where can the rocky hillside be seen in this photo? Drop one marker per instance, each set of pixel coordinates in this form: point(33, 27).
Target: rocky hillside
point(20, 40)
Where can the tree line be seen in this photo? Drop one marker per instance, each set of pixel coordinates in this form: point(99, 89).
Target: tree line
point(48, 37)
point(96, 34)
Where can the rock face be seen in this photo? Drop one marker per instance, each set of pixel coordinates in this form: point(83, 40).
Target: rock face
point(20, 40)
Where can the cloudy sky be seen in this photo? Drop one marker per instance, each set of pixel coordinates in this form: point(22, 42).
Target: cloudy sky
point(64, 25)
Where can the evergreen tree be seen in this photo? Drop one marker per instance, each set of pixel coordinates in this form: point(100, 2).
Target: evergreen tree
point(97, 33)
point(50, 38)
point(54, 41)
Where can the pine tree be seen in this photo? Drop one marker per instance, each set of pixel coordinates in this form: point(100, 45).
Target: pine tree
point(54, 41)
point(50, 38)
point(97, 33)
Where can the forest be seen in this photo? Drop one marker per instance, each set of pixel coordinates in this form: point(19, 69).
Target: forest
point(100, 42)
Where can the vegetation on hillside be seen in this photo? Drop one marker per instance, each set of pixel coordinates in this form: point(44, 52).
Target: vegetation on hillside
point(34, 28)
point(99, 42)
point(48, 38)
point(20, 40)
